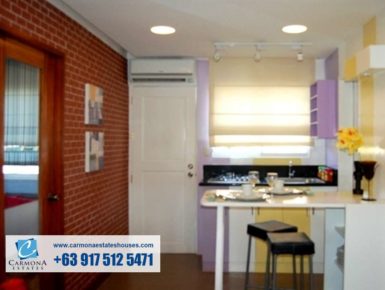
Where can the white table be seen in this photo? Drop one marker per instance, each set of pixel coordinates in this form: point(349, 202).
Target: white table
point(326, 200)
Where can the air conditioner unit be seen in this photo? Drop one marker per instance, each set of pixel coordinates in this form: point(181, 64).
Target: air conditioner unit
point(162, 71)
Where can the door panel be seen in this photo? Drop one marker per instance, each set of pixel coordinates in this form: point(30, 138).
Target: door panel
point(30, 147)
point(163, 187)
point(165, 125)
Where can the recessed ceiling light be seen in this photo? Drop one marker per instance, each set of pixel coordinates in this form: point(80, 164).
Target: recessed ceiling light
point(294, 28)
point(162, 30)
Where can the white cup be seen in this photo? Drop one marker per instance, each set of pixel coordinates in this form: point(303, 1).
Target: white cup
point(278, 185)
point(247, 188)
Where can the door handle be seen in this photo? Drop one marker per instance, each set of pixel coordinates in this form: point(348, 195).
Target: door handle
point(53, 197)
point(190, 174)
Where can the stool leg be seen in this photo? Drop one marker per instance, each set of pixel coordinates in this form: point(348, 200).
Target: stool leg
point(302, 277)
point(274, 285)
point(310, 272)
point(294, 273)
point(248, 264)
point(267, 272)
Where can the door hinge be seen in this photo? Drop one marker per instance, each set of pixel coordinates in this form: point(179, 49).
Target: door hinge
point(131, 178)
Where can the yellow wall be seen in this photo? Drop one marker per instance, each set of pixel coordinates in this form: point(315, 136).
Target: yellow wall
point(370, 32)
point(371, 120)
point(350, 69)
point(366, 109)
point(366, 85)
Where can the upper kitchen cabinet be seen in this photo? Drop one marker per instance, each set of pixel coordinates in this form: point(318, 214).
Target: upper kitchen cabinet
point(323, 109)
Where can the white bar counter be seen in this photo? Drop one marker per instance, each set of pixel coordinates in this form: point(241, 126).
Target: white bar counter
point(363, 234)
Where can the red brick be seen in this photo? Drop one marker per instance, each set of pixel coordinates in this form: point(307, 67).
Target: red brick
point(94, 203)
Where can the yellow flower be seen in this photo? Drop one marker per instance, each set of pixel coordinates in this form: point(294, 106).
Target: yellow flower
point(349, 139)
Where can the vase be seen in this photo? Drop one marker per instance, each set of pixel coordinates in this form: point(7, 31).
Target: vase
point(358, 174)
point(368, 169)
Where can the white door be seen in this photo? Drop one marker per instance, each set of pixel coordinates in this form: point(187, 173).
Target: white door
point(163, 181)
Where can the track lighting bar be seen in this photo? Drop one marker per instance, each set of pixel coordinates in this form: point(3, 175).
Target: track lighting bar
point(261, 45)
point(220, 47)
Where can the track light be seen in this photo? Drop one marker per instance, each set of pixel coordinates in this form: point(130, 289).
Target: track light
point(299, 56)
point(298, 48)
point(217, 55)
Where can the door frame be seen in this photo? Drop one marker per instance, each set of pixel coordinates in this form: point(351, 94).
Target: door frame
point(51, 213)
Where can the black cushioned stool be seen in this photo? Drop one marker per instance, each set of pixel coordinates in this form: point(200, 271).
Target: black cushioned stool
point(295, 244)
point(260, 230)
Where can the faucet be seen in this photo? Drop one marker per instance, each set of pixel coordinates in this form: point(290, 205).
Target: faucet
point(291, 171)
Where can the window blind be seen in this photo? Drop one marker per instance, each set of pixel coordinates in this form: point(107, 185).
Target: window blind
point(21, 122)
point(260, 116)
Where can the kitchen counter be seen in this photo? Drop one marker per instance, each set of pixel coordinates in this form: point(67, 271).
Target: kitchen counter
point(213, 198)
point(217, 184)
point(363, 239)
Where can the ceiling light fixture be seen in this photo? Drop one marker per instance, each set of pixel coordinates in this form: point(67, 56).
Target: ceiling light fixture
point(294, 28)
point(162, 30)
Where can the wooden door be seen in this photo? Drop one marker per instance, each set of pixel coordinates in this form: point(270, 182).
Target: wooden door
point(30, 147)
point(163, 180)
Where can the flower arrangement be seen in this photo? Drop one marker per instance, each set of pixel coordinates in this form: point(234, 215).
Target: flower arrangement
point(349, 139)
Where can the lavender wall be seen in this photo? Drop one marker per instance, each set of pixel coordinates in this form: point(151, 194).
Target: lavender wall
point(331, 66)
point(206, 222)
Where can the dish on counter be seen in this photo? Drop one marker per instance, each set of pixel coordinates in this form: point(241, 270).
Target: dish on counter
point(285, 191)
point(239, 195)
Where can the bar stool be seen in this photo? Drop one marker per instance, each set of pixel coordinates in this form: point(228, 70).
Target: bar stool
point(295, 244)
point(260, 230)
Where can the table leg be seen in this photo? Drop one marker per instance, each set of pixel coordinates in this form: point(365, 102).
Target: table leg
point(219, 248)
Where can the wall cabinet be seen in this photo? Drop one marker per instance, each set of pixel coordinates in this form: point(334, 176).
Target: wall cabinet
point(324, 109)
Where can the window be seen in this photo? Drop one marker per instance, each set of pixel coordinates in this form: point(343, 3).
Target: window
point(260, 109)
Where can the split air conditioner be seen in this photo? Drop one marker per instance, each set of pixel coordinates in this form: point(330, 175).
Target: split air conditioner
point(162, 71)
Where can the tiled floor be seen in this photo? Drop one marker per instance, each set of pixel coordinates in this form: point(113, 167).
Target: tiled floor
point(182, 272)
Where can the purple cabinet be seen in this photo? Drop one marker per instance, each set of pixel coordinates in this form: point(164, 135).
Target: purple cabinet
point(324, 109)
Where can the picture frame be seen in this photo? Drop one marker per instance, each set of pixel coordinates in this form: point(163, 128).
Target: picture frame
point(93, 105)
point(94, 152)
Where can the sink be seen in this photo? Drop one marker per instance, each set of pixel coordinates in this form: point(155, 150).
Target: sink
point(302, 180)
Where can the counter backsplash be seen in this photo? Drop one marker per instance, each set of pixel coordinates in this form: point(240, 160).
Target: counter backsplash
point(329, 175)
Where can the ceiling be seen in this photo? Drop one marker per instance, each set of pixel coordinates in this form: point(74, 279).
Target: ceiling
point(201, 23)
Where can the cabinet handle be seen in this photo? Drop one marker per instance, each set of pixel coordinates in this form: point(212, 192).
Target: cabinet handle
point(190, 174)
point(190, 166)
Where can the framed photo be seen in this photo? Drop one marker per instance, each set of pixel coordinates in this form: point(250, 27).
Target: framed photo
point(93, 105)
point(94, 155)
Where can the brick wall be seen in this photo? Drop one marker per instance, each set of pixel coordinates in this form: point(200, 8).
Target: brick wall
point(94, 203)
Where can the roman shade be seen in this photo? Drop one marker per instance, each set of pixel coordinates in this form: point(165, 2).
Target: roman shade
point(264, 105)
point(260, 116)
